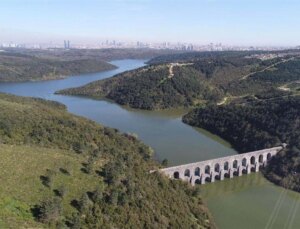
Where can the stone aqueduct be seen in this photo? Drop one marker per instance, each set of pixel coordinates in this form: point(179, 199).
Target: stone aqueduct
point(218, 169)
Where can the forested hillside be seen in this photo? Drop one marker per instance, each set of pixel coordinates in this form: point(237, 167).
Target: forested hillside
point(153, 88)
point(105, 54)
point(273, 77)
point(20, 67)
point(197, 56)
point(59, 170)
point(197, 79)
point(169, 85)
point(256, 125)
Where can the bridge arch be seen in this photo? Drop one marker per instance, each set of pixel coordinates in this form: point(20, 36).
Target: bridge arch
point(252, 160)
point(217, 167)
point(235, 164)
point(261, 158)
point(244, 162)
point(226, 165)
point(217, 176)
point(244, 170)
point(253, 164)
point(197, 171)
point(207, 169)
point(197, 181)
point(187, 173)
point(176, 175)
point(269, 156)
point(207, 179)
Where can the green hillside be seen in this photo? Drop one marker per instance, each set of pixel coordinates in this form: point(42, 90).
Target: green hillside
point(104, 54)
point(152, 88)
point(59, 170)
point(15, 67)
point(192, 82)
point(259, 124)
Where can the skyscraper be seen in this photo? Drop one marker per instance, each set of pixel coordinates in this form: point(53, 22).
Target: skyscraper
point(66, 44)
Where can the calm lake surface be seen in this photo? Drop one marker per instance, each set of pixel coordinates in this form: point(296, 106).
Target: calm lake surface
point(243, 202)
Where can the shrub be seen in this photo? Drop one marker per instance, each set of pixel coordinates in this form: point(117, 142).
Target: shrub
point(50, 210)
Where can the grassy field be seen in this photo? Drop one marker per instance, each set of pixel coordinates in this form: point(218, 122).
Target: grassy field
point(21, 185)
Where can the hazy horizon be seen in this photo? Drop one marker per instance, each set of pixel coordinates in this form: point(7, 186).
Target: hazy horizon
point(231, 22)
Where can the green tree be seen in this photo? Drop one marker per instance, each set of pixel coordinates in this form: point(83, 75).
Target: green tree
point(62, 191)
point(50, 210)
point(98, 194)
point(84, 203)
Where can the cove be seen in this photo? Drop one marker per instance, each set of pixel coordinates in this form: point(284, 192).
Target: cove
point(242, 202)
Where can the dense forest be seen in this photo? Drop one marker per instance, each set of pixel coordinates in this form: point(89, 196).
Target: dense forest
point(258, 124)
point(62, 171)
point(152, 88)
point(15, 67)
point(197, 79)
point(276, 76)
point(197, 56)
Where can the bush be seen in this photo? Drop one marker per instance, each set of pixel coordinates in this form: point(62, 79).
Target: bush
point(84, 203)
point(62, 191)
point(50, 210)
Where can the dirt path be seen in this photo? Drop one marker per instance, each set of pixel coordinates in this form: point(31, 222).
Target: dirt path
point(285, 86)
point(269, 67)
point(172, 65)
point(223, 101)
point(10, 69)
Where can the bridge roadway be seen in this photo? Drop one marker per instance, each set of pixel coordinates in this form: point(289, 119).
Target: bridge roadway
point(219, 168)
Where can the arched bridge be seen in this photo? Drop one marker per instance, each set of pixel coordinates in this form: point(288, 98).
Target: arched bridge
point(219, 168)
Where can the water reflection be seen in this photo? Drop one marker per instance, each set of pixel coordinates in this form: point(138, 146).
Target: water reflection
point(231, 186)
point(252, 202)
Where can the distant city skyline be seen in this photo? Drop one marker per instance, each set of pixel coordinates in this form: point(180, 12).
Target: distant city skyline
point(231, 22)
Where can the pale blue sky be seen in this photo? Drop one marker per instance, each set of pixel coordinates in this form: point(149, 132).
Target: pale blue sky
point(240, 22)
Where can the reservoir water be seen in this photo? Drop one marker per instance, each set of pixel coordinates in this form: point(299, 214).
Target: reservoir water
point(243, 202)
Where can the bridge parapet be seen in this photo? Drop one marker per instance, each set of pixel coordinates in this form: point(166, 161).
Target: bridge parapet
point(219, 168)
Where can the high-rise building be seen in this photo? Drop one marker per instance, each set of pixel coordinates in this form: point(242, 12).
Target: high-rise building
point(66, 44)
